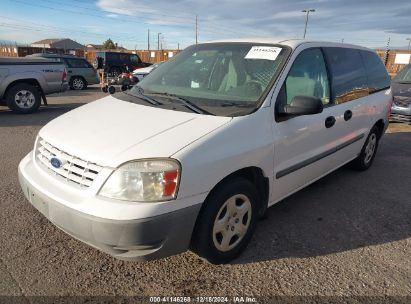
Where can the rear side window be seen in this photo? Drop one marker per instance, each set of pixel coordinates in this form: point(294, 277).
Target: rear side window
point(377, 75)
point(348, 75)
point(77, 63)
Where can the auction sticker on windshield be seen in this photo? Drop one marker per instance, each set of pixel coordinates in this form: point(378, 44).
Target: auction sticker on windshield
point(263, 52)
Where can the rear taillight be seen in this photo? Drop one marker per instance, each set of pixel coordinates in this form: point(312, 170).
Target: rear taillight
point(64, 78)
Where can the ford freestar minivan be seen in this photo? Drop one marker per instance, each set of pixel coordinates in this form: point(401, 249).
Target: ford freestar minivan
point(193, 155)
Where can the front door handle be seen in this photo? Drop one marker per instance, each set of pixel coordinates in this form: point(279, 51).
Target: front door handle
point(347, 115)
point(329, 121)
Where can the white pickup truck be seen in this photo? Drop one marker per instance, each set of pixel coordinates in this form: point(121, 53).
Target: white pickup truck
point(25, 82)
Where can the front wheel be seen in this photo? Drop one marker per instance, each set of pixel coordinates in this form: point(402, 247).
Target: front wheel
point(226, 222)
point(368, 151)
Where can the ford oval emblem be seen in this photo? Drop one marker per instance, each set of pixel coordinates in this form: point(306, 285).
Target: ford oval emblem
point(55, 162)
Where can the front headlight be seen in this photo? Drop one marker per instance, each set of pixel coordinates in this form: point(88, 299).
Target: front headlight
point(144, 181)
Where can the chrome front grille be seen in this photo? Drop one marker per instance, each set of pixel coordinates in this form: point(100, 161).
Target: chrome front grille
point(403, 102)
point(73, 169)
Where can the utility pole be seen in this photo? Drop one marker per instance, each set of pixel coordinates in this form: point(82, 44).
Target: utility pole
point(409, 43)
point(308, 11)
point(387, 51)
point(196, 29)
point(158, 41)
point(148, 40)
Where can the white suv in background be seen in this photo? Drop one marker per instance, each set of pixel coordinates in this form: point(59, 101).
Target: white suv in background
point(193, 155)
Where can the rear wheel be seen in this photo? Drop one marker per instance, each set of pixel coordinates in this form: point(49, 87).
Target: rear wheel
point(368, 152)
point(226, 222)
point(23, 98)
point(78, 83)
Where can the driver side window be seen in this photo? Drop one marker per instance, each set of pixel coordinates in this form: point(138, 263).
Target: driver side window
point(308, 77)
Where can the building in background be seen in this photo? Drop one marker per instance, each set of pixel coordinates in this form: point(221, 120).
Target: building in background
point(59, 43)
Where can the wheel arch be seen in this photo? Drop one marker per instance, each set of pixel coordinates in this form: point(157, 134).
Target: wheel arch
point(30, 81)
point(256, 176)
point(380, 124)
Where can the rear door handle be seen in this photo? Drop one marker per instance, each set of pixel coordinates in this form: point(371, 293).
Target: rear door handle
point(329, 121)
point(347, 115)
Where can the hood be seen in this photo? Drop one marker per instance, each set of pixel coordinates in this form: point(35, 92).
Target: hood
point(401, 89)
point(111, 131)
point(143, 70)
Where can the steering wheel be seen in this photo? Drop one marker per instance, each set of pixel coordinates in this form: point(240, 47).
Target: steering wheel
point(254, 86)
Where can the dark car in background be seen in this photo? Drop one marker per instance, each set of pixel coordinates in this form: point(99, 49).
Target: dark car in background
point(401, 91)
point(80, 73)
point(116, 63)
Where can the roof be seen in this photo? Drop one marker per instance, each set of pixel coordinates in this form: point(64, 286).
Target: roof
point(293, 43)
point(52, 55)
point(59, 43)
point(48, 41)
point(95, 46)
point(20, 60)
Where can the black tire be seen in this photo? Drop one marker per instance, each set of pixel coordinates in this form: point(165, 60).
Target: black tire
point(124, 87)
point(78, 83)
point(29, 100)
point(364, 159)
point(115, 71)
point(204, 239)
point(111, 89)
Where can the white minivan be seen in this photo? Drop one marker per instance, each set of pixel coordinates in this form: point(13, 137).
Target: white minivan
point(194, 154)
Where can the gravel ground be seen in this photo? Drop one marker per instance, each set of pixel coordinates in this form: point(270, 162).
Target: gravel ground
point(348, 234)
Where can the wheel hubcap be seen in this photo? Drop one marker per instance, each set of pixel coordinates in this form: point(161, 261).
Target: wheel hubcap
point(78, 84)
point(24, 99)
point(370, 148)
point(232, 222)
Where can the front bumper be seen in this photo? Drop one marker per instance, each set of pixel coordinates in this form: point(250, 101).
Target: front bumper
point(140, 239)
point(400, 114)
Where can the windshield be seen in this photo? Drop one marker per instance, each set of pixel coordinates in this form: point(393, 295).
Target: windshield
point(404, 75)
point(217, 76)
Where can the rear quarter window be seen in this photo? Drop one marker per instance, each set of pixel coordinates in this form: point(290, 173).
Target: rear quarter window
point(377, 75)
point(124, 57)
point(348, 75)
point(77, 63)
point(112, 57)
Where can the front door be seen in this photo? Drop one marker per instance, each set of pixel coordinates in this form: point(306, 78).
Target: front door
point(303, 145)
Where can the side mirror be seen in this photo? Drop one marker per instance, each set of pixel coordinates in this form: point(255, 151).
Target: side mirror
point(303, 105)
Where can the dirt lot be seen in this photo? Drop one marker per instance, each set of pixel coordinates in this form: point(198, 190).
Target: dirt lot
point(348, 234)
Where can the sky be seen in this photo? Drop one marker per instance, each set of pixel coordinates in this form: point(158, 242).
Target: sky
point(369, 23)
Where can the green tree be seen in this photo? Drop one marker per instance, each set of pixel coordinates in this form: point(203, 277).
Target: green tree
point(109, 44)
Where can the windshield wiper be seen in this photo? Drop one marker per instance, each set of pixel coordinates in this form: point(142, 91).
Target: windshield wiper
point(188, 104)
point(145, 98)
point(238, 105)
